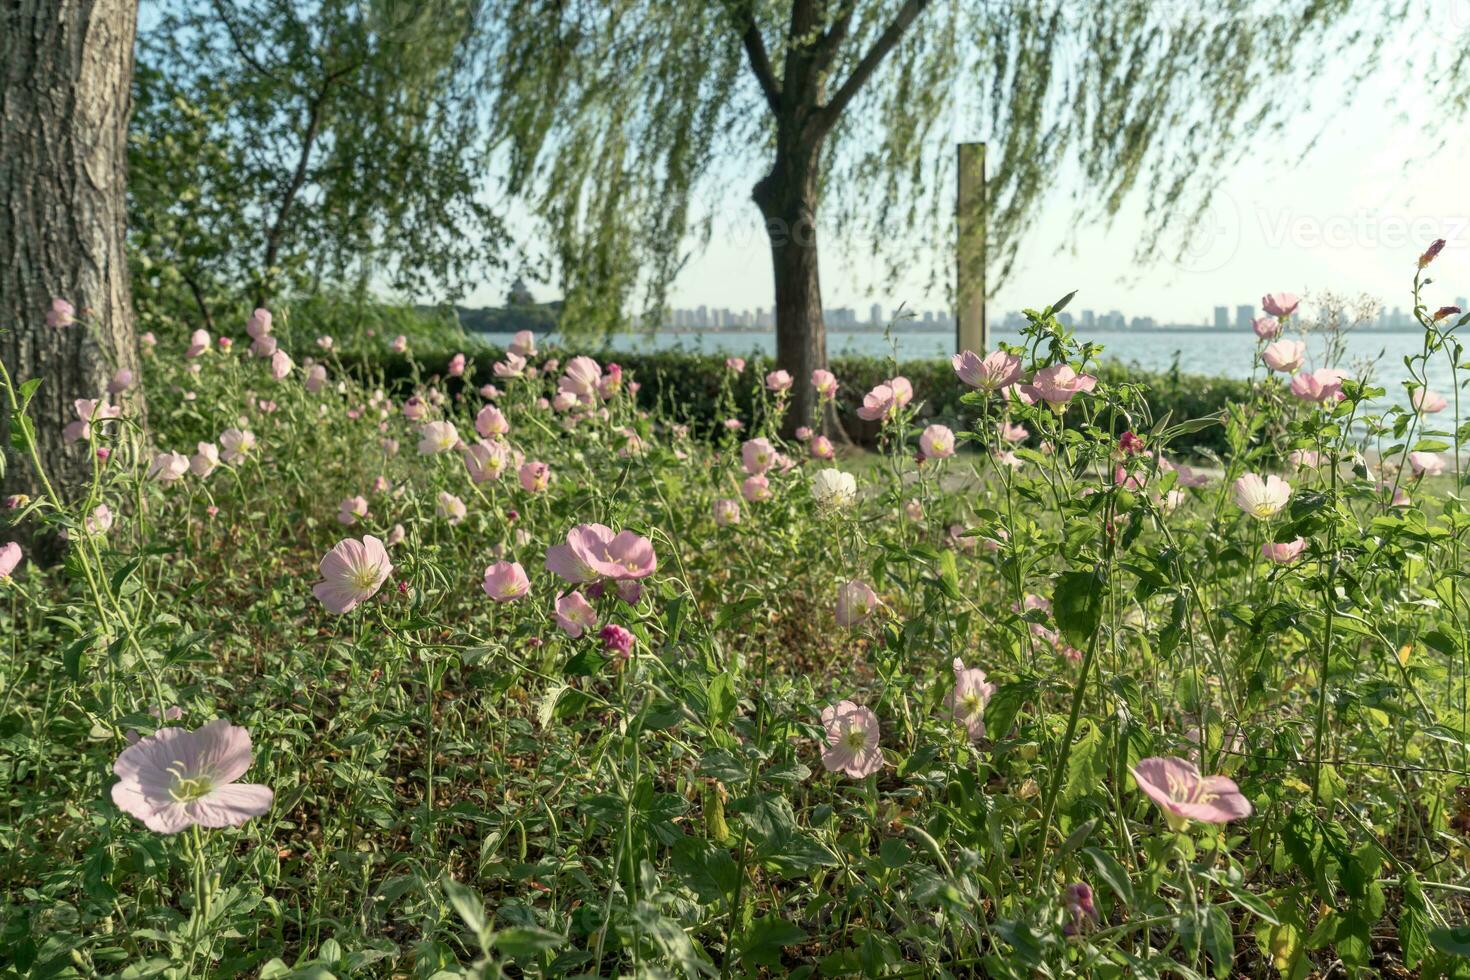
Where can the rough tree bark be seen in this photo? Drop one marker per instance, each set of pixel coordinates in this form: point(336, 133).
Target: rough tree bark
point(66, 69)
point(788, 195)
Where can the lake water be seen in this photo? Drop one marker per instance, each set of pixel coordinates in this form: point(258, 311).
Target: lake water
point(1228, 353)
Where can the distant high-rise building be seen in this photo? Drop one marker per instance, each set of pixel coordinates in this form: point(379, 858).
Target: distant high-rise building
point(1089, 319)
point(1243, 316)
point(1222, 318)
point(1065, 319)
point(875, 314)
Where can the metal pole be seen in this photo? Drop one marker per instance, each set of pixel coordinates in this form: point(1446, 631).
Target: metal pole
point(971, 330)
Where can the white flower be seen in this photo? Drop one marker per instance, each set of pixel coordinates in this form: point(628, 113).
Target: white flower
point(1261, 498)
point(834, 488)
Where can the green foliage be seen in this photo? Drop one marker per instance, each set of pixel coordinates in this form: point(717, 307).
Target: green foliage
point(277, 145)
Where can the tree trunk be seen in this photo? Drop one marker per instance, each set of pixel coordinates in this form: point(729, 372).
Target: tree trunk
point(787, 197)
point(66, 69)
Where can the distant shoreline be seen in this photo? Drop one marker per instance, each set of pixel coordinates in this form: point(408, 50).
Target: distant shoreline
point(949, 331)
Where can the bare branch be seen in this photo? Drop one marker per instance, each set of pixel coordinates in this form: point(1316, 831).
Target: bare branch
point(886, 42)
point(760, 61)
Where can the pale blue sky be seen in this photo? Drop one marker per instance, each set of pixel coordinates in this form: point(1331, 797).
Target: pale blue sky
point(1351, 215)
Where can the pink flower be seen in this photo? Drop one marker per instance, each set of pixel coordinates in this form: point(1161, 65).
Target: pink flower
point(1266, 327)
point(260, 347)
point(756, 489)
point(727, 511)
point(415, 408)
point(61, 314)
point(593, 551)
point(1321, 385)
point(1432, 252)
point(324, 342)
point(914, 510)
point(514, 366)
point(1079, 906)
point(855, 603)
point(821, 448)
point(1284, 355)
point(852, 740)
point(456, 366)
point(1284, 552)
point(617, 641)
point(611, 381)
point(1261, 499)
point(1305, 459)
point(490, 423)
point(757, 455)
point(490, 392)
point(88, 410)
point(259, 323)
point(226, 345)
point(168, 467)
point(937, 442)
point(349, 510)
point(1426, 402)
point(1129, 444)
point(450, 507)
point(523, 344)
point(486, 460)
point(735, 364)
point(574, 614)
point(505, 581)
point(198, 343)
point(995, 371)
point(236, 445)
point(99, 521)
point(580, 379)
point(1012, 433)
point(1426, 464)
point(778, 381)
point(121, 381)
point(437, 437)
point(316, 378)
point(352, 572)
point(175, 779)
point(1280, 305)
point(281, 365)
point(396, 535)
point(972, 692)
point(147, 341)
point(803, 433)
point(203, 462)
point(880, 403)
point(825, 382)
point(1056, 385)
point(10, 556)
point(1178, 789)
point(399, 344)
point(534, 476)
point(1445, 311)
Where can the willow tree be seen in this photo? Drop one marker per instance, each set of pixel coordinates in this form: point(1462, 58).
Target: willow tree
point(280, 147)
point(626, 123)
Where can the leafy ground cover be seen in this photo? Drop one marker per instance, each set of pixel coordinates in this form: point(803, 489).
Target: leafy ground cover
point(515, 677)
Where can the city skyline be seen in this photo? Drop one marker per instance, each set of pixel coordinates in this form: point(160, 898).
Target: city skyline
point(1226, 317)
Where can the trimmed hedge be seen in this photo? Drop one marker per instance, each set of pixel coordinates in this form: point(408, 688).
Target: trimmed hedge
point(687, 386)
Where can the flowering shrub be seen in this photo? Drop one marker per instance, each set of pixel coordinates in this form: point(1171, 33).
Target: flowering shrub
point(508, 675)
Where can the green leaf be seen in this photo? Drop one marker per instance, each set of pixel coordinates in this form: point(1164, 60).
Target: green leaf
point(762, 943)
point(1413, 922)
point(708, 871)
point(1005, 704)
point(722, 701)
point(1112, 873)
point(1454, 941)
point(520, 941)
point(1077, 605)
point(468, 904)
point(1086, 765)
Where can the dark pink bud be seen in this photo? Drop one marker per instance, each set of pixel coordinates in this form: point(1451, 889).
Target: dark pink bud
point(1431, 253)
